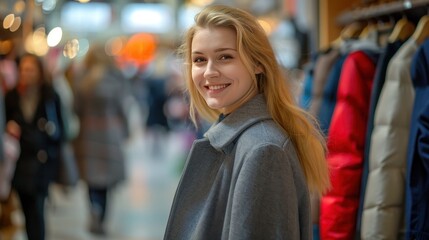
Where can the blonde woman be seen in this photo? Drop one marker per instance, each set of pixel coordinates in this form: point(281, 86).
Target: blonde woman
point(250, 177)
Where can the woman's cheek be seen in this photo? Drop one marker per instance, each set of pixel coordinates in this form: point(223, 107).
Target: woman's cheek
point(197, 77)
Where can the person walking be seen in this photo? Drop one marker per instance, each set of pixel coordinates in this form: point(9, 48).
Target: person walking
point(99, 100)
point(35, 107)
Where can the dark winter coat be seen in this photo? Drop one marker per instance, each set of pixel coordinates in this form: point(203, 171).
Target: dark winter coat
point(37, 164)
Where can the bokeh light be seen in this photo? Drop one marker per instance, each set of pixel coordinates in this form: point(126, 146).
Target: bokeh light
point(139, 50)
point(36, 42)
point(8, 21)
point(71, 48)
point(54, 37)
point(114, 46)
point(19, 6)
point(16, 24)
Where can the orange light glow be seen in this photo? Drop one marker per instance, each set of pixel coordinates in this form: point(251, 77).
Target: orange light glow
point(139, 50)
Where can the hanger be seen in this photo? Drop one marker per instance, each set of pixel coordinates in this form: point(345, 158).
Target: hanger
point(384, 28)
point(422, 30)
point(351, 31)
point(370, 28)
point(402, 31)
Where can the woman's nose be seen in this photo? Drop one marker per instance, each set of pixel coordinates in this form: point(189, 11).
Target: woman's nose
point(211, 70)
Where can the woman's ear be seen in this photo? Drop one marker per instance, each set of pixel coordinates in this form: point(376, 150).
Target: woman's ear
point(259, 69)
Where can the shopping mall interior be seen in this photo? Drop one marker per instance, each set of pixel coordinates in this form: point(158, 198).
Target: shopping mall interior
point(311, 40)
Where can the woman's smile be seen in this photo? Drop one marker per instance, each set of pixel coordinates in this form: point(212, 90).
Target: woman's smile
point(213, 89)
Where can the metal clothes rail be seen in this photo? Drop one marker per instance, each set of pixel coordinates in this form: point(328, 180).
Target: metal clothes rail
point(381, 10)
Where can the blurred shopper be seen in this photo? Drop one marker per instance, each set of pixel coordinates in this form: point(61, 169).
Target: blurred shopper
point(35, 107)
point(99, 97)
point(9, 153)
point(156, 127)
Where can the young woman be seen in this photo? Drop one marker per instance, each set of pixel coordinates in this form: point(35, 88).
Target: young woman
point(251, 175)
point(35, 107)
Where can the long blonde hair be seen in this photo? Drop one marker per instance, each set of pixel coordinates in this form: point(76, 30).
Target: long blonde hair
point(255, 49)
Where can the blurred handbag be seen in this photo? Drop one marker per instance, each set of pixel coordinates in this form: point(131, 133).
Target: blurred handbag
point(68, 173)
point(7, 166)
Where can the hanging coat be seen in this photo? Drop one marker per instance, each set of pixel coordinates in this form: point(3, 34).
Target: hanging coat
point(321, 71)
point(382, 216)
point(379, 79)
point(417, 204)
point(329, 96)
point(346, 138)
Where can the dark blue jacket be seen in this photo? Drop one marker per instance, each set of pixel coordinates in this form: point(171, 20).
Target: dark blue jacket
point(417, 187)
point(329, 98)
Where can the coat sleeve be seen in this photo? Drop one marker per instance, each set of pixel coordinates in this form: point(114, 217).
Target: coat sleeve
point(269, 200)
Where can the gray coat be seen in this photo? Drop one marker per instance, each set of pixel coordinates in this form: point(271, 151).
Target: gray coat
point(103, 129)
point(242, 181)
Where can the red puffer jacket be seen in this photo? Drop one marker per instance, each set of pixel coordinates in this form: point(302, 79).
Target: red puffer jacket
point(346, 140)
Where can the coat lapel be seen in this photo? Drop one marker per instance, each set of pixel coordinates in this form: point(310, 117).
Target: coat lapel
point(223, 133)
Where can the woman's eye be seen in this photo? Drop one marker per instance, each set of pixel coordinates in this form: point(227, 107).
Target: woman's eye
point(225, 57)
point(198, 60)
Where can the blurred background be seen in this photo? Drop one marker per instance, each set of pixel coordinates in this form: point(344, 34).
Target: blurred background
point(142, 37)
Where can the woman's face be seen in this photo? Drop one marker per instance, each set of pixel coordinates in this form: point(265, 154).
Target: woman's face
point(29, 72)
point(217, 70)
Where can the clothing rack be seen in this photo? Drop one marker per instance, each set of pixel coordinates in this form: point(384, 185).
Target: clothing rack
point(382, 10)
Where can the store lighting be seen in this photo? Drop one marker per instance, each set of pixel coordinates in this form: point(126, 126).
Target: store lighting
point(71, 48)
point(8, 21)
point(201, 3)
point(49, 5)
point(36, 42)
point(16, 24)
point(82, 18)
point(19, 6)
point(145, 17)
point(54, 37)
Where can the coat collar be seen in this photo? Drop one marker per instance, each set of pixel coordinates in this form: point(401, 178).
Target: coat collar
point(222, 133)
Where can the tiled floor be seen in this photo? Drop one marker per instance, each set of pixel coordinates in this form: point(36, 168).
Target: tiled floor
point(138, 208)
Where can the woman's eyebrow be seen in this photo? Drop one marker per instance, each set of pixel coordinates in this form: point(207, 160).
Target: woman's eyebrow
point(217, 50)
